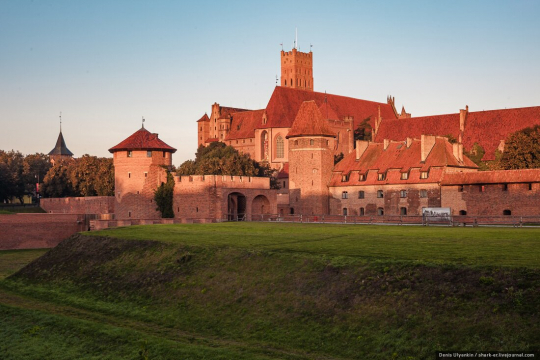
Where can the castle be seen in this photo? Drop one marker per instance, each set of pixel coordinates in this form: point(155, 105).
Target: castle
point(410, 165)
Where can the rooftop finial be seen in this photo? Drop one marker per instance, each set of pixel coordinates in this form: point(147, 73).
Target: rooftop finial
point(276, 80)
point(296, 38)
point(143, 122)
point(60, 121)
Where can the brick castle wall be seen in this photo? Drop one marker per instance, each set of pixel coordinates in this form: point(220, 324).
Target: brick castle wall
point(136, 178)
point(34, 231)
point(79, 205)
point(493, 200)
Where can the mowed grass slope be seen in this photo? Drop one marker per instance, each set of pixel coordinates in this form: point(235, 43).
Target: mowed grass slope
point(275, 291)
point(445, 245)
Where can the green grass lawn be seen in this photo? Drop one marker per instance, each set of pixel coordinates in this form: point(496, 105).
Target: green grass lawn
point(440, 245)
point(273, 291)
point(12, 261)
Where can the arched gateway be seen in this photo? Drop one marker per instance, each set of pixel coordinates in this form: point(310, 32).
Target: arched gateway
point(259, 207)
point(236, 207)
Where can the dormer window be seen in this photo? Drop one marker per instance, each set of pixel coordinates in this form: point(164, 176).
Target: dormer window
point(381, 176)
point(424, 174)
point(405, 176)
point(362, 177)
point(345, 178)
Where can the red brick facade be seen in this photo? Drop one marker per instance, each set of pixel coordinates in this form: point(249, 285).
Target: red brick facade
point(79, 205)
point(34, 231)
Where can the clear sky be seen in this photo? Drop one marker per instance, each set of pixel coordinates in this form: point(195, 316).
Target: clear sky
point(106, 64)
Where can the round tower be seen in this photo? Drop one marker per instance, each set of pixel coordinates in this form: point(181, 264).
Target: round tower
point(140, 164)
point(311, 160)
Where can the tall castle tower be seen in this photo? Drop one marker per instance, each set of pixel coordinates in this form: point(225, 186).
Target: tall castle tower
point(297, 69)
point(311, 160)
point(139, 168)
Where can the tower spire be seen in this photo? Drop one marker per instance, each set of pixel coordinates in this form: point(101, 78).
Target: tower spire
point(143, 122)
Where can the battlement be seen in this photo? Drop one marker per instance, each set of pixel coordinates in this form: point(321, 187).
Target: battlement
point(296, 53)
point(223, 181)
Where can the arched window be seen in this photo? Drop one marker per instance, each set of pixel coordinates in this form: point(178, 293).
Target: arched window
point(280, 147)
point(285, 82)
point(507, 212)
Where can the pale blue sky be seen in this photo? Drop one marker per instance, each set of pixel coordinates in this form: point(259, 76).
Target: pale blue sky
point(105, 64)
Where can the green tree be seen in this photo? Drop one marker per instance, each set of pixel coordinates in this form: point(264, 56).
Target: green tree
point(522, 149)
point(56, 183)
point(363, 131)
point(35, 167)
point(13, 174)
point(163, 196)
point(220, 159)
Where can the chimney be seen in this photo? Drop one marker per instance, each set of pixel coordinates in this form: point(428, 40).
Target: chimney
point(361, 147)
point(463, 118)
point(386, 143)
point(457, 150)
point(427, 142)
point(408, 142)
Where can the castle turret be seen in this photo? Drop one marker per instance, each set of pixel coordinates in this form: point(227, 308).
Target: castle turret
point(60, 151)
point(311, 159)
point(297, 69)
point(139, 168)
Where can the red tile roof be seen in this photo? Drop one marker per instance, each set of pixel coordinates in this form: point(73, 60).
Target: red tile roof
point(309, 121)
point(284, 173)
point(492, 177)
point(204, 118)
point(243, 124)
point(211, 140)
point(225, 111)
point(487, 128)
point(285, 103)
point(142, 139)
point(398, 156)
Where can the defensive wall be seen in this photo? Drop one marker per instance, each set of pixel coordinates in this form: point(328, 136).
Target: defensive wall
point(34, 231)
point(79, 205)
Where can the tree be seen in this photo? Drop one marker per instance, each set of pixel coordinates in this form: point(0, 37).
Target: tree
point(163, 196)
point(522, 149)
point(56, 183)
point(12, 178)
point(363, 131)
point(220, 159)
point(35, 167)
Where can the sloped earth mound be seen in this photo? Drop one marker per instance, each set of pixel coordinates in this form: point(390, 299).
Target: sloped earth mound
point(291, 305)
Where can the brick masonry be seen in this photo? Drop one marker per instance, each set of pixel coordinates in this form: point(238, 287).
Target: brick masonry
point(79, 205)
point(34, 231)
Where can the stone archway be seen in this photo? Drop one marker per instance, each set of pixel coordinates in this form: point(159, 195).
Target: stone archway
point(259, 207)
point(236, 206)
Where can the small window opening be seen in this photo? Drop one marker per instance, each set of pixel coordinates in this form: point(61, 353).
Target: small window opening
point(507, 212)
point(149, 153)
point(129, 153)
point(403, 194)
point(380, 194)
point(344, 195)
point(361, 194)
point(505, 187)
point(362, 211)
point(403, 211)
point(462, 212)
point(380, 211)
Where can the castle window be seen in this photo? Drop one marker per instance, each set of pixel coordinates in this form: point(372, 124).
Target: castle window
point(200, 128)
point(129, 213)
point(285, 82)
point(403, 194)
point(423, 193)
point(381, 176)
point(311, 142)
point(149, 153)
point(482, 188)
point(291, 82)
point(507, 212)
point(505, 187)
point(424, 175)
point(345, 178)
point(362, 177)
point(380, 194)
point(292, 211)
point(405, 176)
point(462, 212)
point(460, 188)
point(361, 194)
point(380, 211)
point(164, 154)
point(362, 212)
point(345, 195)
point(129, 175)
point(345, 211)
point(129, 153)
point(280, 147)
point(530, 186)
point(145, 174)
point(403, 211)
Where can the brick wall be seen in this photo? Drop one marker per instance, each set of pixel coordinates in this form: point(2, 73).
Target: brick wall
point(492, 199)
point(79, 205)
point(33, 231)
point(136, 178)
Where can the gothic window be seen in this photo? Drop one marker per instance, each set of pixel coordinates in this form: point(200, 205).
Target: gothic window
point(280, 147)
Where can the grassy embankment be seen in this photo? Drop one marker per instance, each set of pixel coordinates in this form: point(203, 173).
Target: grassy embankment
point(276, 291)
